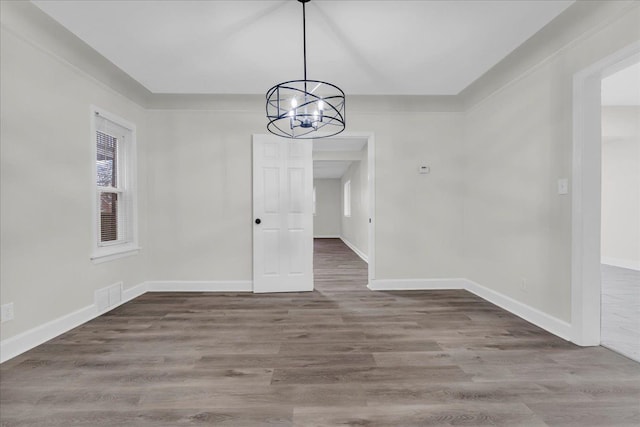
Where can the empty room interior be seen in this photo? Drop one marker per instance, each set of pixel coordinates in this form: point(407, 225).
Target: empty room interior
point(319, 213)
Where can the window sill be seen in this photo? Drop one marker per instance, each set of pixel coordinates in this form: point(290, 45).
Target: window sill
point(112, 253)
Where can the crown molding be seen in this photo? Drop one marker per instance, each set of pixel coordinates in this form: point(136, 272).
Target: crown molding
point(581, 19)
point(210, 102)
point(360, 104)
point(404, 103)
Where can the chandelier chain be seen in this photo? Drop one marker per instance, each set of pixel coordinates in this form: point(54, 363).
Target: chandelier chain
point(304, 40)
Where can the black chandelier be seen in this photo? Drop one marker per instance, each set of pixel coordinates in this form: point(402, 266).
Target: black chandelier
point(299, 108)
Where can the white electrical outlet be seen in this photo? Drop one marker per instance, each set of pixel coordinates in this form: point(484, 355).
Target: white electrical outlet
point(7, 312)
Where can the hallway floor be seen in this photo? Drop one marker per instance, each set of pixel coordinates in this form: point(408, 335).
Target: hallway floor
point(620, 316)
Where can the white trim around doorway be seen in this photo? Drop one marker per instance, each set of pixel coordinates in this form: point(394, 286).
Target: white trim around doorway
point(586, 194)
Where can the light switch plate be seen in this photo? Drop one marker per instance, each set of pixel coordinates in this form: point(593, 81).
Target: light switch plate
point(6, 312)
point(563, 186)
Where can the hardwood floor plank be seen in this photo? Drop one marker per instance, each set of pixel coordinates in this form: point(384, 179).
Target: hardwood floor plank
point(617, 391)
point(254, 396)
point(368, 374)
point(358, 347)
point(588, 414)
point(287, 361)
point(237, 417)
point(470, 414)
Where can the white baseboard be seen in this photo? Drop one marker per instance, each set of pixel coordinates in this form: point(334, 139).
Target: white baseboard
point(134, 292)
point(622, 263)
point(353, 247)
point(200, 286)
point(18, 344)
point(532, 315)
point(416, 284)
point(326, 237)
point(549, 323)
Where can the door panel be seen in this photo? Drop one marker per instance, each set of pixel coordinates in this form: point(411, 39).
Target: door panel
point(271, 248)
point(282, 200)
point(271, 195)
point(296, 190)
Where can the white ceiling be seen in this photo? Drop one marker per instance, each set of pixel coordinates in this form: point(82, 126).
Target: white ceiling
point(363, 46)
point(335, 168)
point(623, 87)
point(326, 169)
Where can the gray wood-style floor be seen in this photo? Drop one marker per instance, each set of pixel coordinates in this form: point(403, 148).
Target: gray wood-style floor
point(620, 315)
point(341, 355)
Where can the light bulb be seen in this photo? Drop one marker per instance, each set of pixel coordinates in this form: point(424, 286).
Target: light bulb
point(294, 103)
point(321, 105)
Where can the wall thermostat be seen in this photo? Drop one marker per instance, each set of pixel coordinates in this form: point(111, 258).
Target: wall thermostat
point(424, 169)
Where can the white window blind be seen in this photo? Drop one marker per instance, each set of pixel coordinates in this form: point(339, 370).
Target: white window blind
point(107, 181)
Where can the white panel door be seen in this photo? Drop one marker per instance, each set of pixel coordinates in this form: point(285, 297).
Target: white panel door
point(282, 214)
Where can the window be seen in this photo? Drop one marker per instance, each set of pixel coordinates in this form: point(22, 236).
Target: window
point(114, 179)
point(347, 198)
point(314, 200)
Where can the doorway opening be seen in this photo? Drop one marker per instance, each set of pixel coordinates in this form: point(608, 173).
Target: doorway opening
point(588, 211)
point(343, 197)
point(620, 223)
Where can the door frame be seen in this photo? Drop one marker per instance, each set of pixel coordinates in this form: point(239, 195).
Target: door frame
point(586, 194)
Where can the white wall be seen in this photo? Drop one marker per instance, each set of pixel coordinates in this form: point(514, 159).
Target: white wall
point(355, 228)
point(621, 186)
point(326, 221)
point(517, 145)
point(418, 218)
point(200, 194)
point(47, 187)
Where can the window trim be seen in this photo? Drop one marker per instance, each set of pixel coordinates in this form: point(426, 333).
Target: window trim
point(102, 252)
